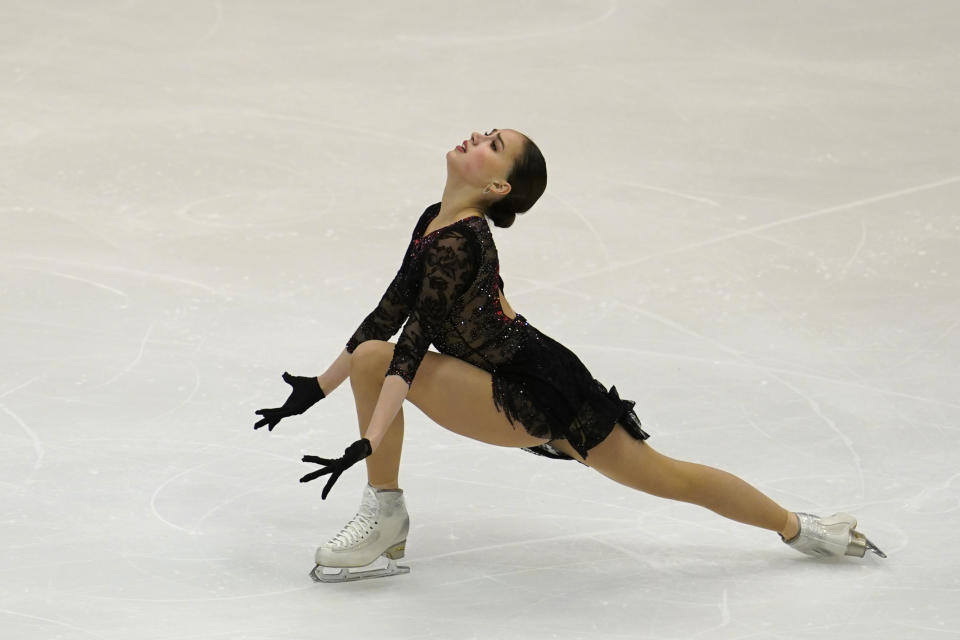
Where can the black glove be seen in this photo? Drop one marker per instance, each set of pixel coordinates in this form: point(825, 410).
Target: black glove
point(352, 455)
point(306, 392)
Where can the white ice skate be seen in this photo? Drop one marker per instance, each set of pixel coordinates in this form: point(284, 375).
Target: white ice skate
point(379, 529)
point(831, 537)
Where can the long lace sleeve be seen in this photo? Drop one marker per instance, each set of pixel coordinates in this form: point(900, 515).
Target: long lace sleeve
point(390, 312)
point(450, 265)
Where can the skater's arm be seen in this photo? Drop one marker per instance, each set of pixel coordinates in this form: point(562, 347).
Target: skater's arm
point(388, 315)
point(336, 373)
point(394, 306)
point(450, 266)
point(385, 319)
point(392, 394)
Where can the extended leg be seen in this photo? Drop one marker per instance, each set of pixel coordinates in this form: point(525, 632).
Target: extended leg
point(636, 464)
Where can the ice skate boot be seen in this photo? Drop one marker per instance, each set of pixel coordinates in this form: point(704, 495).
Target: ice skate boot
point(831, 537)
point(378, 529)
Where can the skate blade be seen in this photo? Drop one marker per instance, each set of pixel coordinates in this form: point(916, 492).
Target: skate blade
point(860, 544)
point(344, 574)
point(874, 548)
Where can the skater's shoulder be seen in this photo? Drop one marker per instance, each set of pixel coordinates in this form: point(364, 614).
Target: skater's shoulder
point(455, 240)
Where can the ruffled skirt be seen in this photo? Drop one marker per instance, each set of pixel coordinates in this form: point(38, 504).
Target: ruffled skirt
point(551, 394)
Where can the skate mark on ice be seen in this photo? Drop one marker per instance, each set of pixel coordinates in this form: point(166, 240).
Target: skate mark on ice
point(541, 286)
point(856, 252)
point(69, 276)
point(52, 621)
point(924, 349)
point(816, 294)
point(669, 192)
point(34, 439)
point(848, 443)
point(215, 27)
point(132, 364)
point(765, 369)
point(197, 212)
point(495, 576)
point(248, 596)
point(627, 551)
point(940, 490)
point(582, 274)
point(592, 535)
point(529, 490)
point(404, 141)
point(19, 386)
point(222, 504)
point(134, 272)
point(526, 541)
point(577, 27)
point(797, 451)
point(586, 222)
point(161, 487)
point(724, 607)
point(203, 445)
point(770, 225)
point(193, 392)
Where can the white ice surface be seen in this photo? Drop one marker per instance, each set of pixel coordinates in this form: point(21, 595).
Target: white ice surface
point(751, 228)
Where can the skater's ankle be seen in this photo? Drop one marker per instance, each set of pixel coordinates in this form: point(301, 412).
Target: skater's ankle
point(390, 486)
point(791, 528)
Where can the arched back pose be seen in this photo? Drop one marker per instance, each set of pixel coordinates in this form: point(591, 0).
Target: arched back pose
point(497, 378)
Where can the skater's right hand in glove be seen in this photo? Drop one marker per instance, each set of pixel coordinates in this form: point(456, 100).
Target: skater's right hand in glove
point(306, 392)
point(352, 455)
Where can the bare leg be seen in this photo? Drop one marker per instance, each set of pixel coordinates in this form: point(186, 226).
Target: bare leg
point(383, 467)
point(453, 393)
point(470, 412)
point(636, 464)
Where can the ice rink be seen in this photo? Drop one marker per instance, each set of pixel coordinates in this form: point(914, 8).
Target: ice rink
point(751, 228)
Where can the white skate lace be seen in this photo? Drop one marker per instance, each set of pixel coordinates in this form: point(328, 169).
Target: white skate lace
point(354, 531)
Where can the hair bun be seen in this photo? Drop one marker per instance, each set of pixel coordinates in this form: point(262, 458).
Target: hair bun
point(528, 176)
point(501, 217)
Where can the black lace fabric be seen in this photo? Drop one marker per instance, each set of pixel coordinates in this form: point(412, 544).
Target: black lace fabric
point(446, 294)
point(390, 313)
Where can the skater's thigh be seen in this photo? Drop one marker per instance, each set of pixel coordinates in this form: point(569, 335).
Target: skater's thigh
point(459, 396)
point(631, 462)
point(456, 395)
point(600, 456)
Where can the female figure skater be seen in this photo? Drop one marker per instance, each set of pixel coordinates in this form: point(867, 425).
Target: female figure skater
point(497, 378)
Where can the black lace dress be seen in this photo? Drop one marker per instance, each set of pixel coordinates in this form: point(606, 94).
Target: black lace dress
point(447, 292)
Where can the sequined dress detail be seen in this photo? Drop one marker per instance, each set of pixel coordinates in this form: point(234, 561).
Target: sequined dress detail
point(445, 293)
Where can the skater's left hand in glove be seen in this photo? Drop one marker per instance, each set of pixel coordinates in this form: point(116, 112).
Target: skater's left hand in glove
point(352, 455)
point(305, 393)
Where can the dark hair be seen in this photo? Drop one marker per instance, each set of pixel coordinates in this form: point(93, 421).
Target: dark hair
point(528, 180)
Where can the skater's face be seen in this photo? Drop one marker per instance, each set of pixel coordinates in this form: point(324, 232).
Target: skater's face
point(484, 160)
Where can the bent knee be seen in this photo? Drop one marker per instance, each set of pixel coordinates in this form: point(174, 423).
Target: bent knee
point(371, 355)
